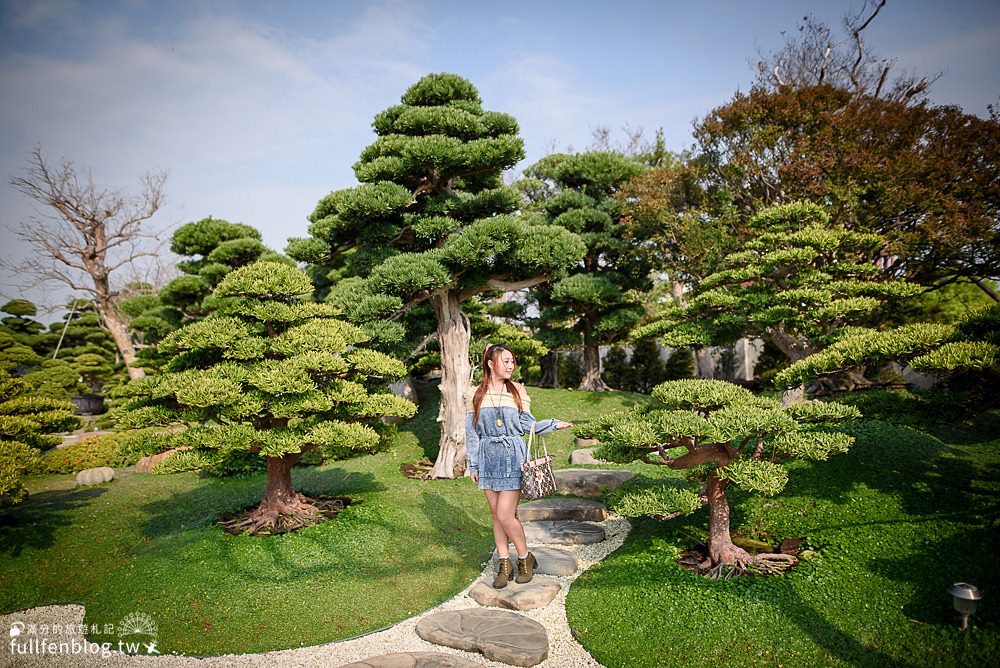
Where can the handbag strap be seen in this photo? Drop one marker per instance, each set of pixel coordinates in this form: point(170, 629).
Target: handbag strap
point(533, 441)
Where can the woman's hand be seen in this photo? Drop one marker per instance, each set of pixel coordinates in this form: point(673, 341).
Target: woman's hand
point(563, 425)
point(475, 476)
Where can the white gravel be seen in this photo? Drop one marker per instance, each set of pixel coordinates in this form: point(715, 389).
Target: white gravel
point(564, 650)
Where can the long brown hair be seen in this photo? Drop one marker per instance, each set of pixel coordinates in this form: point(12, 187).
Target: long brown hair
point(492, 354)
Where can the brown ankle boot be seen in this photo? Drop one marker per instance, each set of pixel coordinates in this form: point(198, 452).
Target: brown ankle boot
point(526, 569)
point(504, 572)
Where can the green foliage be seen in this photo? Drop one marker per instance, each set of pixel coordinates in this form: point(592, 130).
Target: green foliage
point(267, 375)
point(85, 454)
point(797, 282)
point(20, 307)
point(643, 370)
point(27, 422)
point(599, 301)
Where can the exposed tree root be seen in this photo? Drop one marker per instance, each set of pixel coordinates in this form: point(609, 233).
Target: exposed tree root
point(734, 561)
point(270, 519)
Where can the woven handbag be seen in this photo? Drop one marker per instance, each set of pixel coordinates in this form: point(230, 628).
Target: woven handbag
point(537, 479)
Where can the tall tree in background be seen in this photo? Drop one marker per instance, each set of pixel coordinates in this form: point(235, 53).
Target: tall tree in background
point(210, 249)
point(430, 223)
point(598, 300)
point(824, 123)
point(88, 233)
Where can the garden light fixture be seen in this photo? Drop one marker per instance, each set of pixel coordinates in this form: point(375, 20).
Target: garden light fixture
point(965, 598)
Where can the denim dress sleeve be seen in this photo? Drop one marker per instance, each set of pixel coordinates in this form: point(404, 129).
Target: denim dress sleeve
point(541, 426)
point(471, 442)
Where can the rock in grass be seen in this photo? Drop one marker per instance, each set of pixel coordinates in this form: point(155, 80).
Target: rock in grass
point(589, 482)
point(498, 634)
point(95, 476)
point(582, 510)
point(413, 660)
point(535, 594)
point(583, 456)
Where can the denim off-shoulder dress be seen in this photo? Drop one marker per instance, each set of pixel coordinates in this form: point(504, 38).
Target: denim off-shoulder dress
point(497, 452)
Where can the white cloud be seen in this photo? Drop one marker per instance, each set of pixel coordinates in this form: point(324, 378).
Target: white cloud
point(252, 123)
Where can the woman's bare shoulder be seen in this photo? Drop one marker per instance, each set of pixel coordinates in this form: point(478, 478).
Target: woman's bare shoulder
point(521, 390)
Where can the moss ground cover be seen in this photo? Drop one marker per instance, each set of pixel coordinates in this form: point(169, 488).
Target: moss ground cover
point(147, 543)
point(895, 521)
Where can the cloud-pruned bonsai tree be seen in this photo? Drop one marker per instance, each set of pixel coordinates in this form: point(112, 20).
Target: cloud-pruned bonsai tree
point(272, 374)
point(431, 223)
point(599, 301)
point(27, 425)
point(967, 352)
point(726, 436)
point(797, 283)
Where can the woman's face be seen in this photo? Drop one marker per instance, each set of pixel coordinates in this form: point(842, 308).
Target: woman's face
point(503, 365)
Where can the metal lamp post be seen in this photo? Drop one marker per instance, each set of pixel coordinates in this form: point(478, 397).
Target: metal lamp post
point(965, 598)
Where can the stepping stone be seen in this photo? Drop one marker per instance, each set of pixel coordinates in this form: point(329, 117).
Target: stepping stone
point(551, 560)
point(583, 510)
point(583, 456)
point(499, 634)
point(413, 660)
point(589, 482)
point(563, 532)
point(528, 596)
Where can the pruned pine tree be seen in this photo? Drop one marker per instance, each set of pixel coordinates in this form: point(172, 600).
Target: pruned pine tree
point(727, 437)
point(797, 283)
point(970, 346)
point(28, 424)
point(272, 374)
point(432, 222)
point(599, 301)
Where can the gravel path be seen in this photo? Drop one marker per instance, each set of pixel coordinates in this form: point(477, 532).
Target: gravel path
point(564, 650)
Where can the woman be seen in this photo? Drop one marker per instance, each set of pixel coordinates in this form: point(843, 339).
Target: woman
point(499, 416)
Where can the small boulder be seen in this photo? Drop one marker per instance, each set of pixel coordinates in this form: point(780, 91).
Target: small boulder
point(589, 482)
point(146, 464)
point(584, 456)
point(95, 476)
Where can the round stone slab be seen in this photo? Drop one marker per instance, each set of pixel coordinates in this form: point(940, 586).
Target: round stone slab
point(582, 510)
point(535, 594)
point(583, 456)
point(499, 634)
point(413, 660)
point(551, 560)
point(589, 482)
point(563, 532)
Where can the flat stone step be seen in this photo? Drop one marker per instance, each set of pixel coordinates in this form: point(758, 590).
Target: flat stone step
point(413, 660)
point(584, 456)
point(582, 510)
point(500, 635)
point(563, 532)
point(551, 560)
point(589, 483)
point(535, 594)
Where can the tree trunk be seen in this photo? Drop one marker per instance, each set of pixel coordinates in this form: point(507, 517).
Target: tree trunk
point(456, 372)
point(704, 365)
point(550, 369)
point(279, 494)
point(591, 381)
point(721, 549)
point(115, 324)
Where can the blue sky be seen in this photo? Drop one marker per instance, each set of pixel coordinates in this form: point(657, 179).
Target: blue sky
point(257, 109)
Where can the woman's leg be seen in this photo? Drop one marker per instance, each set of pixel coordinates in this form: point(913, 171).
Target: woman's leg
point(499, 535)
point(506, 505)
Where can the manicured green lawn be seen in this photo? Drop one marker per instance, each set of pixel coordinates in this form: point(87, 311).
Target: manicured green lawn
point(896, 521)
point(148, 543)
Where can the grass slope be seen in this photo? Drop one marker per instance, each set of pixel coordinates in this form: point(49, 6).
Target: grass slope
point(147, 543)
point(896, 521)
